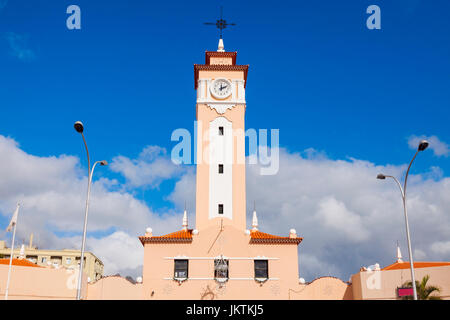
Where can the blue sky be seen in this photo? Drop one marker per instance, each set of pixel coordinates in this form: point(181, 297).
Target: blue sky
point(316, 73)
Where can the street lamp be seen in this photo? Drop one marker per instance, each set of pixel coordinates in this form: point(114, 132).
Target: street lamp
point(79, 128)
point(422, 146)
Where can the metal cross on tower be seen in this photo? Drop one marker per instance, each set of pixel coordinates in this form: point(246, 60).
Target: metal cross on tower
point(220, 24)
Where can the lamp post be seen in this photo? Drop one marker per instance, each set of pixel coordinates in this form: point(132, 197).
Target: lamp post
point(79, 128)
point(422, 146)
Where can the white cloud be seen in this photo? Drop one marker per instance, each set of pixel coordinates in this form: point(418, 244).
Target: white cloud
point(419, 255)
point(440, 148)
point(346, 216)
point(18, 44)
point(119, 251)
point(150, 168)
point(441, 247)
point(335, 215)
point(52, 193)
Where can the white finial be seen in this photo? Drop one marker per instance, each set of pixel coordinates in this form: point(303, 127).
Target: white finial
point(185, 220)
point(292, 233)
point(255, 221)
point(399, 254)
point(221, 47)
point(22, 252)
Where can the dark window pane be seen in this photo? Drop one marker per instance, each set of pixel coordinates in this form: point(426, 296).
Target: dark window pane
point(220, 168)
point(220, 208)
point(181, 269)
point(261, 269)
point(220, 131)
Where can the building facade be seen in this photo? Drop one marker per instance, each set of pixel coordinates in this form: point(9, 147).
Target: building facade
point(93, 266)
point(220, 258)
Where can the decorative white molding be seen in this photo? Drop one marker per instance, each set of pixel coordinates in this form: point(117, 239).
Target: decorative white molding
point(225, 258)
point(221, 108)
point(268, 279)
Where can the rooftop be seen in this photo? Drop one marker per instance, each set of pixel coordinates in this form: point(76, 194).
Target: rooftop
point(19, 262)
point(424, 264)
point(262, 237)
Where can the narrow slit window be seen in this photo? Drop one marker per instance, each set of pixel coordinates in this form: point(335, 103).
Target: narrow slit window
point(220, 131)
point(220, 208)
point(220, 168)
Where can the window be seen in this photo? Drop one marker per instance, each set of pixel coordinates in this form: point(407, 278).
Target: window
point(33, 259)
point(262, 269)
point(181, 269)
point(68, 260)
point(43, 259)
point(220, 208)
point(220, 168)
point(220, 131)
point(78, 259)
point(221, 269)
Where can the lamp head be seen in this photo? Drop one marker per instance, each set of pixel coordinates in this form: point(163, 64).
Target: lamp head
point(381, 176)
point(103, 163)
point(78, 126)
point(423, 145)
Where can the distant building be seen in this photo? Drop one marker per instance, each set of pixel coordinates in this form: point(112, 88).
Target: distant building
point(389, 283)
point(93, 266)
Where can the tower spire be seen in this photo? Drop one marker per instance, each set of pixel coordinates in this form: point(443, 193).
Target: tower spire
point(399, 254)
point(255, 218)
point(185, 219)
point(220, 47)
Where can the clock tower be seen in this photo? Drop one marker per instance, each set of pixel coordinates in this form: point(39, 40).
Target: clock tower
point(220, 194)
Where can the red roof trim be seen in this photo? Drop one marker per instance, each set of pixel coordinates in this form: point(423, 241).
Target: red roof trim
point(19, 262)
point(174, 237)
point(262, 237)
point(219, 67)
point(424, 264)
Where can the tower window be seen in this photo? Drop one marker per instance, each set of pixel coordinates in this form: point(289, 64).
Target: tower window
point(220, 208)
point(220, 168)
point(261, 269)
point(220, 131)
point(181, 268)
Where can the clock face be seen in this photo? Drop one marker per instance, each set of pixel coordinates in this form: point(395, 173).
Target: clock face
point(221, 88)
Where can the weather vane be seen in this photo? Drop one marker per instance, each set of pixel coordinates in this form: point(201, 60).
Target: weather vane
point(221, 24)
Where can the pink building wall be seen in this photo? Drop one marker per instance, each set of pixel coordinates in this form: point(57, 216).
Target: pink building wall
point(158, 270)
point(114, 288)
point(34, 283)
point(382, 285)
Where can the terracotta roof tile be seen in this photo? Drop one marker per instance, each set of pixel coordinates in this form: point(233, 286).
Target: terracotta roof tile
point(262, 237)
point(178, 236)
point(19, 262)
point(424, 264)
point(219, 67)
